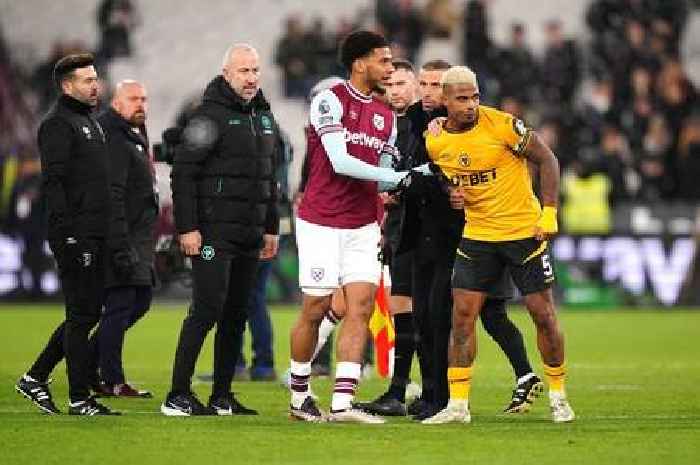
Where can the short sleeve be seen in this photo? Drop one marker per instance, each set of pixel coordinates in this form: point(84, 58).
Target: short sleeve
point(326, 113)
point(515, 134)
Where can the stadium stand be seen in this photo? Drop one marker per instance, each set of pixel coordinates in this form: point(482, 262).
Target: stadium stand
point(611, 87)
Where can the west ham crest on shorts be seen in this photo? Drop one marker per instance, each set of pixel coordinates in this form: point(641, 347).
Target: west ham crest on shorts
point(317, 274)
point(378, 121)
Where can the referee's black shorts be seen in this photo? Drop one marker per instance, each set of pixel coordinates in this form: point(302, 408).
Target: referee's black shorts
point(480, 265)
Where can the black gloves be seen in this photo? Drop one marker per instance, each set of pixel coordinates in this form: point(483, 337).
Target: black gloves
point(405, 184)
point(124, 258)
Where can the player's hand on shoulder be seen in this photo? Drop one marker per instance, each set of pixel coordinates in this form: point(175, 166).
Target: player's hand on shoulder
point(435, 126)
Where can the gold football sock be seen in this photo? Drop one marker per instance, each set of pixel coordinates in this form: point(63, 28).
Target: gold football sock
point(555, 377)
point(459, 379)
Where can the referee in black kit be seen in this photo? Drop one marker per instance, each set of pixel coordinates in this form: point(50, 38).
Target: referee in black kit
point(75, 187)
point(225, 208)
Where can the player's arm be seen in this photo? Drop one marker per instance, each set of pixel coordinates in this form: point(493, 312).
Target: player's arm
point(325, 115)
point(548, 166)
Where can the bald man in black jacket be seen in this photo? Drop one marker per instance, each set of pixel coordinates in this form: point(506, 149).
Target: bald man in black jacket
point(129, 272)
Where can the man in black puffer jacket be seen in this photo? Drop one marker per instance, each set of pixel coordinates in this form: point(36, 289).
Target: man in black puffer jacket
point(225, 208)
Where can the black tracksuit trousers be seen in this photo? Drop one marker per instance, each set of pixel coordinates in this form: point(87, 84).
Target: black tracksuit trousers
point(220, 292)
point(83, 289)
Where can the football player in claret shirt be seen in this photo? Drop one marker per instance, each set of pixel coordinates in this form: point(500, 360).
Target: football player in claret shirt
point(336, 227)
point(486, 152)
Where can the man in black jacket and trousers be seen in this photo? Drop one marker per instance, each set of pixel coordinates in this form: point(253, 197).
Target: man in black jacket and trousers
point(130, 246)
point(76, 190)
point(225, 208)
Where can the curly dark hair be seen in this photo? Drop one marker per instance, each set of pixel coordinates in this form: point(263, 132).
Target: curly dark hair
point(359, 44)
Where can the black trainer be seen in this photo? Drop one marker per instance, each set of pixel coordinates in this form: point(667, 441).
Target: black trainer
point(90, 408)
point(524, 395)
point(417, 406)
point(428, 410)
point(184, 405)
point(385, 405)
point(229, 405)
point(38, 392)
point(307, 412)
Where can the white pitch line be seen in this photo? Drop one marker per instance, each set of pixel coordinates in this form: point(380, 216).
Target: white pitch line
point(618, 387)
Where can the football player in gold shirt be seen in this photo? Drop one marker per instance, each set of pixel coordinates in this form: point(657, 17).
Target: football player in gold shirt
point(485, 153)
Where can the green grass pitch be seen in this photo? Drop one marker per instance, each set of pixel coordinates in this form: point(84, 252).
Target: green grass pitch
point(634, 382)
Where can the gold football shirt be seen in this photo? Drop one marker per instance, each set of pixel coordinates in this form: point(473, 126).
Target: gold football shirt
point(487, 162)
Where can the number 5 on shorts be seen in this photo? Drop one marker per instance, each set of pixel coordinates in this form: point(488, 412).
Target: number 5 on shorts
point(546, 265)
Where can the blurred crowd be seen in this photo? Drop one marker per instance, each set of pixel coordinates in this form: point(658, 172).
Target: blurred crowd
point(618, 106)
point(25, 95)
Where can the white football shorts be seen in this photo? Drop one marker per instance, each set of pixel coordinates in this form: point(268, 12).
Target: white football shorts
point(332, 257)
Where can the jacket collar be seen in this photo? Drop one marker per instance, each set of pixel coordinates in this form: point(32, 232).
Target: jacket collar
point(219, 91)
point(136, 134)
point(66, 101)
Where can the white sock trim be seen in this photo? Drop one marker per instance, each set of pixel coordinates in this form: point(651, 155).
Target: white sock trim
point(525, 378)
point(300, 368)
point(458, 403)
point(348, 370)
point(556, 395)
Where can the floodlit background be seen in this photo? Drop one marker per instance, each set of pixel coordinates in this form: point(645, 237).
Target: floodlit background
point(611, 85)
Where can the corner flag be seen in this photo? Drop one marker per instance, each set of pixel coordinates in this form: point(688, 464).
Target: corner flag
point(382, 330)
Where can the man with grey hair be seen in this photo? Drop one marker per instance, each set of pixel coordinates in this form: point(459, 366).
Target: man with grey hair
point(225, 209)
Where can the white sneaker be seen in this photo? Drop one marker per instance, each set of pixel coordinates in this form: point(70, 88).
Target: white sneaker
point(453, 413)
point(561, 410)
point(308, 411)
point(352, 415)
